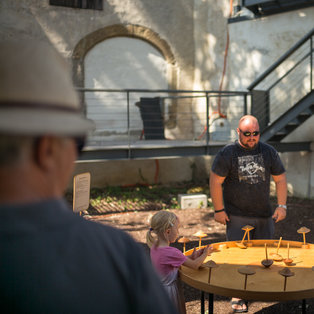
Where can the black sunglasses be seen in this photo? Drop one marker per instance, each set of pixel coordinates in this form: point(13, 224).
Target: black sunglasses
point(248, 134)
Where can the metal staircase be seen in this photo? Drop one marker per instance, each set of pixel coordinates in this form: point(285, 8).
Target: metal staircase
point(290, 120)
point(283, 102)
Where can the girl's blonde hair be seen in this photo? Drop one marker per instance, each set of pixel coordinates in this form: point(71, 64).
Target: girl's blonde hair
point(159, 223)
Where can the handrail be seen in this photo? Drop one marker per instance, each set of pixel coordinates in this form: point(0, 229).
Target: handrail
point(281, 59)
point(128, 124)
point(168, 91)
point(289, 71)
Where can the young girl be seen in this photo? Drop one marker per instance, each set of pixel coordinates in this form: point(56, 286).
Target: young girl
point(166, 259)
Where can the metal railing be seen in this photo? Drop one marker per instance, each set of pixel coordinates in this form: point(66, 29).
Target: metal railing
point(284, 83)
point(141, 116)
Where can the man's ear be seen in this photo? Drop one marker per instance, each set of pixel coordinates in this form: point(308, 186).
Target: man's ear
point(45, 152)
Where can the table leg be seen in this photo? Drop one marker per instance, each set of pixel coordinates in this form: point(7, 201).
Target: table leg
point(202, 302)
point(303, 306)
point(210, 303)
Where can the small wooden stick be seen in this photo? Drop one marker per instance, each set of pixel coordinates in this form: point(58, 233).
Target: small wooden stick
point(285, 284)
point(304, 242)
point(286, 272)
point(288, 248)
point(266, 251)
point(210, 264)
point(210, 271)
point(245, 270)
point(278, 246)
point(245, 281)
point(246, 231)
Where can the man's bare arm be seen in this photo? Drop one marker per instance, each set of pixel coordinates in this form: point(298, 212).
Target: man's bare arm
point(281, 190)
point(215, 185)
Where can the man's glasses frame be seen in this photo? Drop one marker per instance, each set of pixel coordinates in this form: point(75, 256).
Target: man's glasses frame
point(79, 143)
point(248, 134)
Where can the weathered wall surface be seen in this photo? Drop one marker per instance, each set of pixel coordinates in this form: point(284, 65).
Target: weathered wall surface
point(254, 46)
point(167, 171)
point(65, 27)
point(195, 33)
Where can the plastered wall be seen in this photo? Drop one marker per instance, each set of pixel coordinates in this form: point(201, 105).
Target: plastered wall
point(193, 36)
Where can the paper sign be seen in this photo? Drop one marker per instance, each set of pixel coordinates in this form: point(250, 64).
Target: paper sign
point(81, 192)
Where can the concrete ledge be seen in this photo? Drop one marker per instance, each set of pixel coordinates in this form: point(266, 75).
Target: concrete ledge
point(187, 201)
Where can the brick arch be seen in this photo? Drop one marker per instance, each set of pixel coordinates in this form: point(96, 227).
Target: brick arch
point(119, 30)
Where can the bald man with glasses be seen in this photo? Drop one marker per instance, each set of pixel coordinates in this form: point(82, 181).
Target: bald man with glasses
point(240, 187)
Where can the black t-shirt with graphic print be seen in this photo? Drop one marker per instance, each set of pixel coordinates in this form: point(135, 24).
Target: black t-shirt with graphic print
point(247, 185)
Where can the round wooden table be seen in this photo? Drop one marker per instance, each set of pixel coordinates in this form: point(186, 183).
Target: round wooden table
point(266, 284)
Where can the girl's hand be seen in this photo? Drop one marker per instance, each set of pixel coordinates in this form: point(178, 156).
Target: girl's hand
point(196, 253)
point(208, 249)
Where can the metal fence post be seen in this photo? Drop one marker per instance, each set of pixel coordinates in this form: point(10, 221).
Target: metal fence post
point(128, 123)
point(207, 119)
point(311, 70)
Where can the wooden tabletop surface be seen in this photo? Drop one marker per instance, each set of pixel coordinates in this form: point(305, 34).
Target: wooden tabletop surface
point(266, 284)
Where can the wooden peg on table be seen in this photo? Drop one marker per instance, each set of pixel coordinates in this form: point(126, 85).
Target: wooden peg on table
point(184, 240)
point(275, 256)
point(304, 230)
point(210, 264)
point(241, 245)
point(248, 228)
point(200, 235)
point(288, 261)
point(246, 270)
point(286, 272)
point(267, 262)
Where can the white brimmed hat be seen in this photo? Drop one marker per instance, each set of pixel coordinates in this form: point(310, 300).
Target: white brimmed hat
point(37, 96)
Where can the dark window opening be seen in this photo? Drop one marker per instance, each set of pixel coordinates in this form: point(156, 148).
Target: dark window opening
point(268, 7)
point(80, 4)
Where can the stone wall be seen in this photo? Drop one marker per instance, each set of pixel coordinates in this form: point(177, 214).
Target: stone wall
point(192, 36)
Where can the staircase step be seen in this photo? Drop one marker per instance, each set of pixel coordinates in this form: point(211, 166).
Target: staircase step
point(277, 137)
point(290, 120)
point(290, 127)
point(307, 111)
point(302, 117)
point(294, 121)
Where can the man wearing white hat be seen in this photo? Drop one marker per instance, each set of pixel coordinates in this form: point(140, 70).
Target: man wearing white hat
point(51, 260)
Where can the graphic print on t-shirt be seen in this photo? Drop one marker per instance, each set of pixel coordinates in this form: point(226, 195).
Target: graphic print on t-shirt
point(251, 169)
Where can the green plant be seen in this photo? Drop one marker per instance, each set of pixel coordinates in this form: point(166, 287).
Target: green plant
point(140, 197)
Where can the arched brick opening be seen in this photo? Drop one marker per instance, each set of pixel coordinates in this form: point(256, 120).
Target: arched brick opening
point(119, 30)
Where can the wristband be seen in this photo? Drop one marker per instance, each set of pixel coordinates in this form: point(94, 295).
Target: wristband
point(219, 211)
point(282, 206)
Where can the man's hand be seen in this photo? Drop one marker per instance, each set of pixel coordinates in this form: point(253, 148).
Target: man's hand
point(221, 217)
point(279, 214)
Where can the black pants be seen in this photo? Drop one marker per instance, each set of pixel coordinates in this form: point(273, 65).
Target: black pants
point(264, 228)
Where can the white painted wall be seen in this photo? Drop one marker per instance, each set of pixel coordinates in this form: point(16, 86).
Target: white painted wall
point(254, 46)
point(169, 171)
point(196, 34)
point(257, 44)
point(121, 63)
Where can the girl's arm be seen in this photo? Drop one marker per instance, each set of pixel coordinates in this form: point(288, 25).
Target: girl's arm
point(198, 261)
